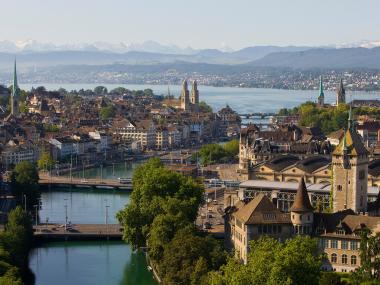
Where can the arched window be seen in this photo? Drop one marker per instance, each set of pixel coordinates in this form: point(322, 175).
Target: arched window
point(334, 258)
point(344, 259)
point(353, 259)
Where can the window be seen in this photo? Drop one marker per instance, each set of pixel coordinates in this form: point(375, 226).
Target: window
point(353, 259)
point(344, 259)
point(334, 243)
point(339, 187)
point(354, 245)
point(334, 258)
point(361, 174)
point(344, 244)
point(308, 217)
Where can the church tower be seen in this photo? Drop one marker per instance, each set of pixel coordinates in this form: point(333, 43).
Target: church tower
point(340, 94)
point(350, 172)
point(301, 212)
point(15, 94)
point(195, 95)
point(185, 98)
point(321, 97)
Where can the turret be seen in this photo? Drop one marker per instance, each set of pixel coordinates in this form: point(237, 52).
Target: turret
point(301, 212)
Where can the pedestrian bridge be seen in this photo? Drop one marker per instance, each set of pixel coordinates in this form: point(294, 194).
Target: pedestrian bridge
point(64, 181)
point(50, 232)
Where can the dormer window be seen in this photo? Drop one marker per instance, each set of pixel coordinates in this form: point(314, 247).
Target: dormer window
point(340, 231)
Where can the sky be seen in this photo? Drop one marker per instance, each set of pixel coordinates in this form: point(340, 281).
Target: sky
point(195, 23)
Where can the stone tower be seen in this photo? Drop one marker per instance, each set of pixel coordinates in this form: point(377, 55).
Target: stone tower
point(301, 212)
point(195, 95)
point(321, 97)
point(185, 98)
point(340, 94)
point(350, 172)
point(15, 94)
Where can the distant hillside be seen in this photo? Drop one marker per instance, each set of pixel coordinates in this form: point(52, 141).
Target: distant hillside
point(323, 58)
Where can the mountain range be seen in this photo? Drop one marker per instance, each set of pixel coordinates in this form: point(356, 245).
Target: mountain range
point(32, 55)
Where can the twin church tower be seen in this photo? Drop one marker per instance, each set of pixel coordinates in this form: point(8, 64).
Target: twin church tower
point(190, 103)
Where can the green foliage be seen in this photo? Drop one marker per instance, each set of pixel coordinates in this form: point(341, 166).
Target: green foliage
point(15, 242)
point(204, 107)
point(24, 181)
point(46, 161)
point(107, 112)
point(158, 191)
point(188, 257)
point(50, 128)
point(161, 215)
point(270, 262)
point(216, 153)
point(369, 269)
point(120, 91)
point(331, 278)
point(232, 148)
point(100, 90)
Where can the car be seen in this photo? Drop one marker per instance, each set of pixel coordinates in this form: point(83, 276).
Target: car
point(84, 181)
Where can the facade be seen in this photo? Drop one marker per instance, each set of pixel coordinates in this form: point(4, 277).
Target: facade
point(338, 233)
point(144, 132)
point(350, 173)
point(187, 103)
point(12, 155)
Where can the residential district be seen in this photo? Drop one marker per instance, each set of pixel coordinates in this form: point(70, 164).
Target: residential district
point(290, 179)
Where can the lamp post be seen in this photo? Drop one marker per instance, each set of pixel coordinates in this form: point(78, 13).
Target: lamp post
point(65, 214)
point(106, 216)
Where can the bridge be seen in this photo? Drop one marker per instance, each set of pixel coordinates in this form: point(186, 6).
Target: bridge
point(48, 232)
point(65, 181)
point(260, 115)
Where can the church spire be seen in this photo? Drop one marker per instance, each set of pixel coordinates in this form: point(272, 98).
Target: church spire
point(15, 93)
point(321, 97)
point(321, 94)
point(15, 85)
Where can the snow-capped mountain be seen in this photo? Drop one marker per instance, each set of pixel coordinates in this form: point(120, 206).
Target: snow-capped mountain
point(148, 46)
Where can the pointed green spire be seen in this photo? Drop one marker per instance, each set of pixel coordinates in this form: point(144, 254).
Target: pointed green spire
point(350, 120)
point(321, 94)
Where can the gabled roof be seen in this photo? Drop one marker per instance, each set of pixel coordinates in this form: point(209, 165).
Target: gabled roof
point(374, 167)
point(301, 201)
point(352, 142)
point(312, 163)
point(260, 210)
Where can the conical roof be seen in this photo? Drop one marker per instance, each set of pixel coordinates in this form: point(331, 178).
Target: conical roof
point(301, 201)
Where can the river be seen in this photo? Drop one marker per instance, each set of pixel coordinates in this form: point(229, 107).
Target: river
point(88, 263)
point(114, 263)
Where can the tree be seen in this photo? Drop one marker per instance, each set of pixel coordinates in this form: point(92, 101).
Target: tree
point(154, 187)
point(212, 153)
point(369, 269)
point(296, 261)
point(100, 90)
point(232, 148)
point(188, 257)
point(24, 181)
point(148, 92)
point(107, 112)
point(204, 107)
point(46, 161)
point(16, 239)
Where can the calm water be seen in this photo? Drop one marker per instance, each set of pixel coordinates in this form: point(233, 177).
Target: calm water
point(92, 263)
point(243, 100)
point(88, 263)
